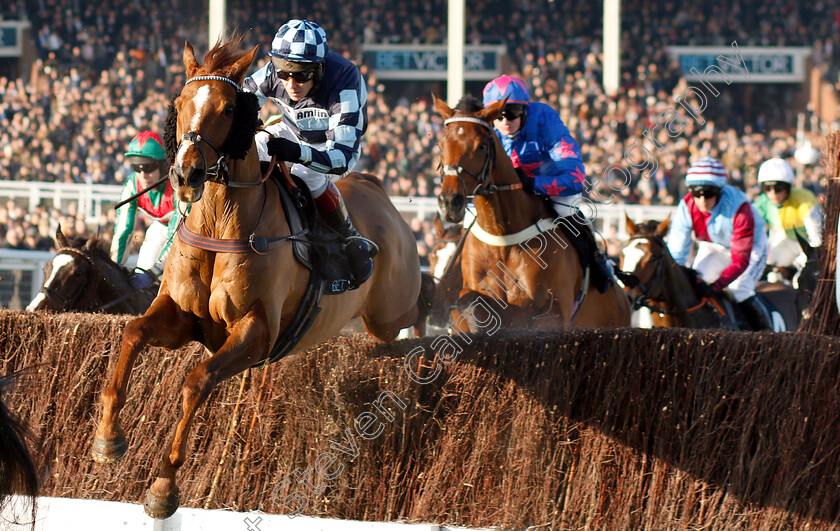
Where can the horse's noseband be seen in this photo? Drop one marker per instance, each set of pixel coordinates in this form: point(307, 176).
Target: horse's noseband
point(483, 187)
point(219, 171)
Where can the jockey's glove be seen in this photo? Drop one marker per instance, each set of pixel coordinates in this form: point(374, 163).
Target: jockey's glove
point(527, 182)
point(705, 290)
point(141, 279)
point(285, 150)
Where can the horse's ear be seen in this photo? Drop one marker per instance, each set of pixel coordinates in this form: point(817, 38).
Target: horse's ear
point(629, 226)
point(60, 239)
point(662, 228)
point(240, 67)
point(438, 225)
point(492, 111)
point(90, 245)
point(190, 64)
point(804, 244)
point(442, 108)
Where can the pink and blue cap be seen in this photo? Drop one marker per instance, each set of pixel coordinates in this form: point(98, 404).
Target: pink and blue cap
point(510, 87)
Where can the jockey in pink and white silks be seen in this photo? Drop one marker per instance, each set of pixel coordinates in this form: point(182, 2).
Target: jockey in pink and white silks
point(732, 241)
point(547, 160)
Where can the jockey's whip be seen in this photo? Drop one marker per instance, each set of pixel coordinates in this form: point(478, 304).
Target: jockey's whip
point(143, 191)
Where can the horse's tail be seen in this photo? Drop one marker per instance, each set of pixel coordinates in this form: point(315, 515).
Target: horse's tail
point(19, 473)
point(426, 297)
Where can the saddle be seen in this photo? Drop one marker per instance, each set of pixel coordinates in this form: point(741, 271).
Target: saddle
point(317, 248)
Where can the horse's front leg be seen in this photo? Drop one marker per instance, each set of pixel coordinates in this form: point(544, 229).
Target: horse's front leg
point(246, 345)
point(164, 325)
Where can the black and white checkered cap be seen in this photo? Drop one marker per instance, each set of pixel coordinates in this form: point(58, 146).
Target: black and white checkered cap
point(300, 41)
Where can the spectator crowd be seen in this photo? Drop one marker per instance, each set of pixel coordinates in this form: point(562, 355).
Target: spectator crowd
point(107, 69)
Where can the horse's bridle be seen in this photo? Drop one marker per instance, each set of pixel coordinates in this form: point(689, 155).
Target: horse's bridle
point(70, 301)
point(483, 188)
point(658, 280)
point(217, 173)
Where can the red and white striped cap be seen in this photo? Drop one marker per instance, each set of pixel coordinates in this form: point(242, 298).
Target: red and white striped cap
point(706, 172)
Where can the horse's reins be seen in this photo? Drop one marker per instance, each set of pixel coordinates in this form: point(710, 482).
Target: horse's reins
point(644, 299)
point(484, 187)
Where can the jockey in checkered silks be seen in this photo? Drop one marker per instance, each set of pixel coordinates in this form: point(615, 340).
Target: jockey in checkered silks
point(323, 101)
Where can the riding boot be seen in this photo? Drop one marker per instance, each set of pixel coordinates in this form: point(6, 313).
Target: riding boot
point(591, 254)
point(756, 314)
point(357, 248)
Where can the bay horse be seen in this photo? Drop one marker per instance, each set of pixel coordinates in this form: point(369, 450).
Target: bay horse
point(82, 277)
point(237, 304)
point(667, 288)
point(527, 267)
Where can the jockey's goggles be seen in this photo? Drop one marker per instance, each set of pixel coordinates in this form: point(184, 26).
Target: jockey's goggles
point(300, 77)
point(511, 112)
point(776, 187)
point(148, 167)
point(704, 191)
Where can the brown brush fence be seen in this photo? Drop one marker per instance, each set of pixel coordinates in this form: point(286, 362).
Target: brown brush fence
point(824, 318)
point(597, 429)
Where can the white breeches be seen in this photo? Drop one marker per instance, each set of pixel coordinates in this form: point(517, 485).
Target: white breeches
point(567, 205)
point(713, 258)
point(155, 240)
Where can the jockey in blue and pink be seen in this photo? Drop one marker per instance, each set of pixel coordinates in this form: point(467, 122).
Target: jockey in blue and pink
point(732, 242)
point(546, 158)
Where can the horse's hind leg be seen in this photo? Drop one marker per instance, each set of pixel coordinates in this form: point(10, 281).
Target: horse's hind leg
point(246, 345)
point(164, 324)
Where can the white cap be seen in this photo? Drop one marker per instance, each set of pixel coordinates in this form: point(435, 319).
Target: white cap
point(775, 171)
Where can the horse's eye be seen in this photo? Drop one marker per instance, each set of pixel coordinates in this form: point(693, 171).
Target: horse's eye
point(229, 109)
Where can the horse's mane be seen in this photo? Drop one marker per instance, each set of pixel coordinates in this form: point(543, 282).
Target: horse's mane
point(469, 104)
point(246, 118)
point(647, 228)
point(98, 248)
point(223, 55)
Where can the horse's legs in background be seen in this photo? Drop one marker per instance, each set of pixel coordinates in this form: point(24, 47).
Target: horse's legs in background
point(165, 325)
point(246, 345)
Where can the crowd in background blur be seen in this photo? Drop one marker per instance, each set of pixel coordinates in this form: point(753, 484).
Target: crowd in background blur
point(107, 70)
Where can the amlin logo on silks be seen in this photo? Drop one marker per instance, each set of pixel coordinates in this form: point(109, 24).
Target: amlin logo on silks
point(309, 119)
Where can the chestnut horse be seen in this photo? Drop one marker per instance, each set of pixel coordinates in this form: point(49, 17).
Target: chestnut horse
point(529, 269)
point(82, 277)
point(238, 304)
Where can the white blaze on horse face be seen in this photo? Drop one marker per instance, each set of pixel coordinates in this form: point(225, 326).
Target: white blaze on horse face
point(59, 262)
point(633, 255)
point(202, 95)
point(444, 254)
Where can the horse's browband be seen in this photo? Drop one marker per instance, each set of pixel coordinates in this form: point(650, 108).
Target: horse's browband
point(214, 78)
point(469, 119)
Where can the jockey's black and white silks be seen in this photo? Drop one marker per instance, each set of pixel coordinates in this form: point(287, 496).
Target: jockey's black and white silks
point(334, 114)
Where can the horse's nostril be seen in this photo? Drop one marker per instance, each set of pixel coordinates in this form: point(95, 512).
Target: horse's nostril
point(196, 177)
point(458, 202)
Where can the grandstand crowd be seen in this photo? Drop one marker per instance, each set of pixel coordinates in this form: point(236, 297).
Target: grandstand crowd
point(102, 77)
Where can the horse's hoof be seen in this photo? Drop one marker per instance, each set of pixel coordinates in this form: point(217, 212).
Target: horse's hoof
point(109, 451)
point(161, 507)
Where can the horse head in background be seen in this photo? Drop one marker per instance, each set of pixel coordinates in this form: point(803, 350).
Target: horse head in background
point(246, 305)
point(664, 287)
point(515, 254)
point(82, 277)
point(445, 268)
